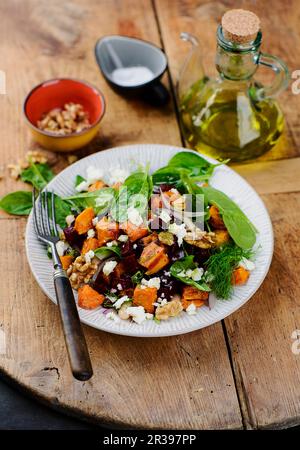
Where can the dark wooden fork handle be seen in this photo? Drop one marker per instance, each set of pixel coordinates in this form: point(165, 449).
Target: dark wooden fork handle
point(75, 341)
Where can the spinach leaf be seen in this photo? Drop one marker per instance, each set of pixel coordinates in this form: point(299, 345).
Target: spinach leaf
point(242, 231)
point(100, 200)
point(106, 252)
point(18, 203)
point(38, 175)
point(135, 192)
point(63, 208)
point(79, 179)
point(179, 268)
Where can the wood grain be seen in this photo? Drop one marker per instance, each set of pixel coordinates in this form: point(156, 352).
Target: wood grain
point(201, 18)
point(260, 334)
point(180, 382)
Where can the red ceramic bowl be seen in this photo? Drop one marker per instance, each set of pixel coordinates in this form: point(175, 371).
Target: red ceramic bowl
point(54, 94)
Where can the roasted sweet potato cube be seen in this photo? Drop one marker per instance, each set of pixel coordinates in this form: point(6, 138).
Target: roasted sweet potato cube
point(89, 244)
point(88, 298)
point(191, 294)
point(107, 230)
point(66, 261)
point(151, 254)
point(83, 222)
point(97, 186)
point(215, 218)
point(153, 237)
point(158, 264)
point(134, 232)
point(240, 276)
point(145, 297)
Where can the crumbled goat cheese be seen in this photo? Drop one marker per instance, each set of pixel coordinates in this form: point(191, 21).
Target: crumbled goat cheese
point(91, 233)
point(113, 291)
point(119, 286)
point(61, 246)
point(149, 316)
point(83, 186)
point(123, 238)
point(118, 175)
point(163, 302)
point(134, 246)
point(93, 174)
point(134, 216)
point(120, 301)
point(89, 256)
point(191, 309)
point(111, 243)
point(113, 316)
point(247, 264)
point(179, 231)
point(167, 274)
point(164, 216)
point(137, 313)
point(109, 267)
point(153, 282)
point(95, 220)
point(70, 219)
point(195, 274)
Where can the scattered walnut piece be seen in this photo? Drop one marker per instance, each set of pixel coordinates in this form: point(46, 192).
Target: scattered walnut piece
point(80, 272)
point(170, 309)
point(71, 159)
point(70, 119)
point(199, 238)
point(36, 157)
point(33, 156)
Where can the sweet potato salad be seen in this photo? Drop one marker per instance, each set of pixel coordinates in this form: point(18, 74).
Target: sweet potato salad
point(140, 246)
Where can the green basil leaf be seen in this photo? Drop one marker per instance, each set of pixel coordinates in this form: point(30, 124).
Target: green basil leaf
point(18, 203)
point(181, 266)
point(38, 175)
point(240, 228)
point(63, 208)
point(106, 252)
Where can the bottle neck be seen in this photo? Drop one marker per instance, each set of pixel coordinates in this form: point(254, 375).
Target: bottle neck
point(237, 61)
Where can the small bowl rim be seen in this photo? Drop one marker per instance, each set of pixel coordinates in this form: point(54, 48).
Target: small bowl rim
point(138, 86)
point(74, 133)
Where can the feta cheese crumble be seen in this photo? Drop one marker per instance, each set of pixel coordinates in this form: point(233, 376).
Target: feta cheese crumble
point(118, 175)
point(120, 301)
point(61, 246)
point(153, 282)
point(109, 267)
point(91, 233)
point(149, 316)
point(191, 309)
point(164, 216)
point(111, 243)
point(95, 220)
point(83, 186)
point(179, 231)
point(93, 174)
point(113, 316)
point(119, 286)
point(123, 238)
point(134, 216)
point(89, 256)
point(137, 313)
point(70, 219)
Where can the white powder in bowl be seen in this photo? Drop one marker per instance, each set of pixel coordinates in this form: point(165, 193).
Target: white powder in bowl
point(132, 76)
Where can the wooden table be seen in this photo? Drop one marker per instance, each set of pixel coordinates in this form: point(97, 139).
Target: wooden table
point(238, 373)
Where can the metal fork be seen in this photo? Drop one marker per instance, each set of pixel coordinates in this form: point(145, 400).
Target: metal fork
point(44, 220)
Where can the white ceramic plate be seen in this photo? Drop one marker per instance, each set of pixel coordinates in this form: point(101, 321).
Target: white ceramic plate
point(224, 179)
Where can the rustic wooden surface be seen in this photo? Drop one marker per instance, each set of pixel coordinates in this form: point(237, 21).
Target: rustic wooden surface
point(241, 373)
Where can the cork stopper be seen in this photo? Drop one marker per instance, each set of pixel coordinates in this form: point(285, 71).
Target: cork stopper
point(240, 26)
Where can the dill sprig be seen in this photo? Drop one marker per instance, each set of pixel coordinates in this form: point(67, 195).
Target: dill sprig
point(221, 265)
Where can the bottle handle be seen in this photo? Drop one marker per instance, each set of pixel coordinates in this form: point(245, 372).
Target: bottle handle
point(281, 80)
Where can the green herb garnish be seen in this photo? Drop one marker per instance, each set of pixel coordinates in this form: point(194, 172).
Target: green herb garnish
point(220, 267)
point(137, 277)
point(18, 203)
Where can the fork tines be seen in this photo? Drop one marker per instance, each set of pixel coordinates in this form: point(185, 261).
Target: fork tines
point(44, 213)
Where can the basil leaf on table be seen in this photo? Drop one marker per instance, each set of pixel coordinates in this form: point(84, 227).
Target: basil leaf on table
point(100, 200)
point(240, 228)
point(182, 265)
point(106, 252)
point(38, 175)
point(18, 203)
point(135, 192)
